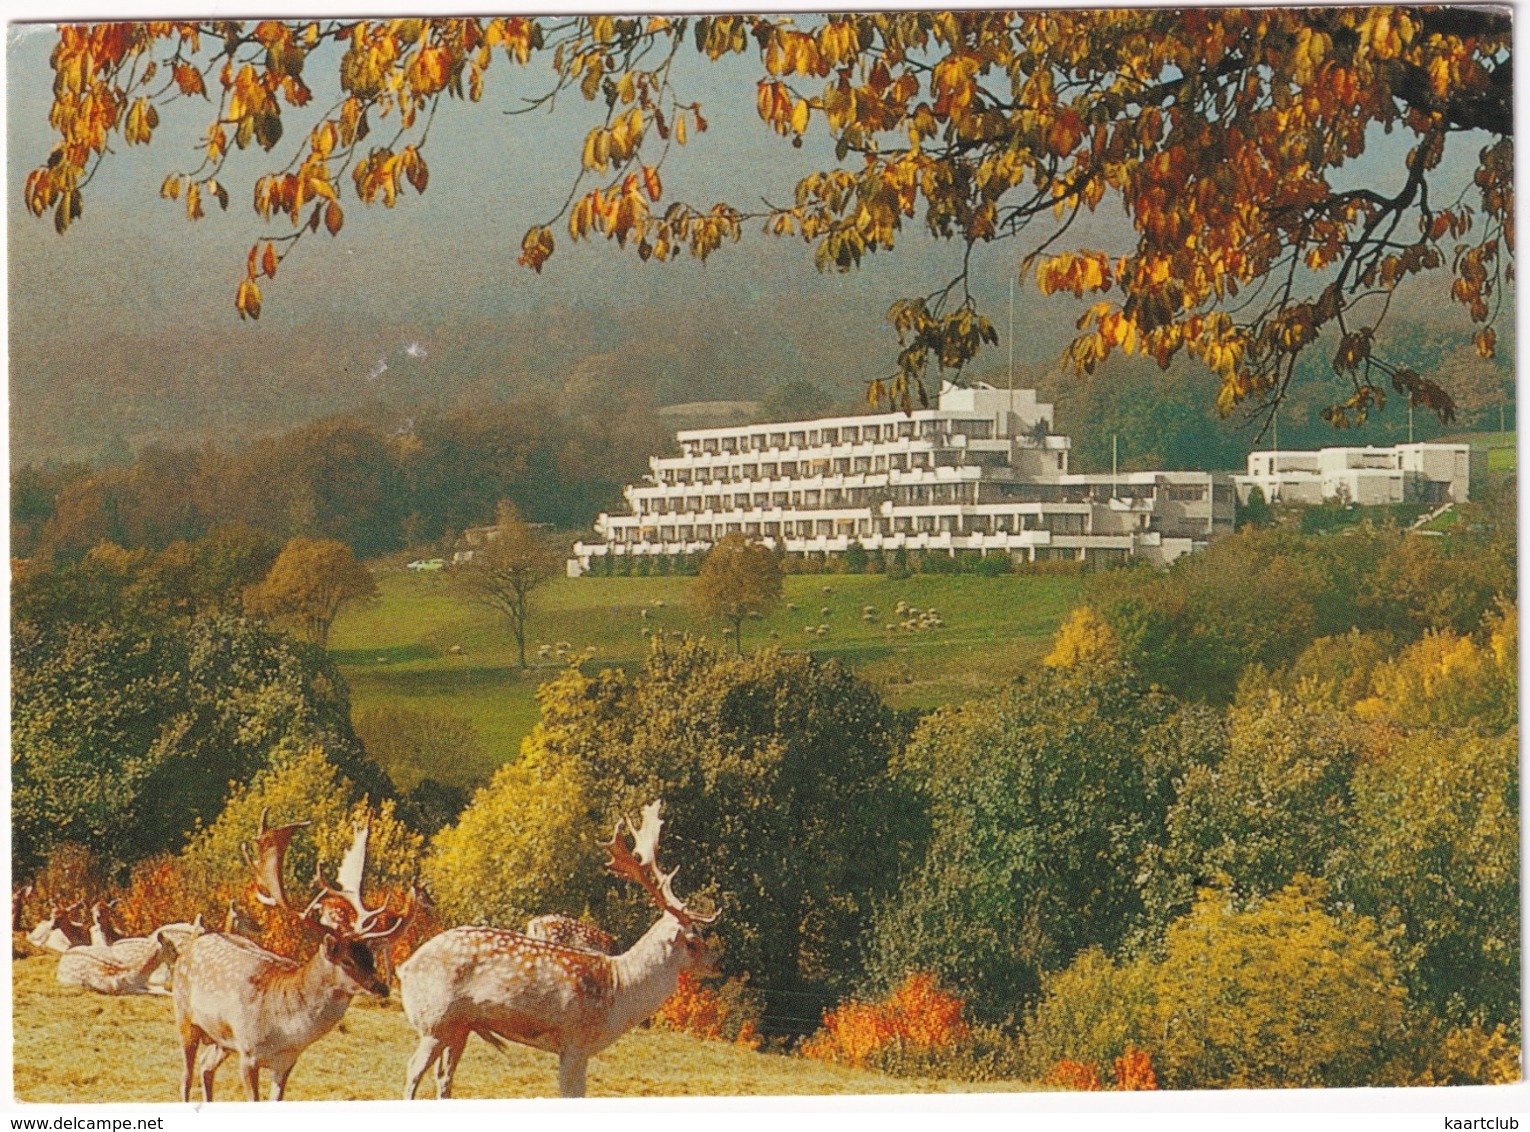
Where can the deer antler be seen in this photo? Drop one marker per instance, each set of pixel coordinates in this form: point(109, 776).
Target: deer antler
point(270, 851)
point(342, 909)
point(641, 864)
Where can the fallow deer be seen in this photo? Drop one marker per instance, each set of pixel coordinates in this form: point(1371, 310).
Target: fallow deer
point(239, 998)
point(108, 971)
point(565, 931)
point(60, 931)
point(103, 933)
point(502, 985)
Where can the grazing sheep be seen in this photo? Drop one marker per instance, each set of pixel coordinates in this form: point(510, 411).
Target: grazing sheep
point(544, 651)
point(822, 630)
point(791, 607)
point(809, 630)
point(828, 589)
point(643, 613)
point(890, 628)
point(659, 604)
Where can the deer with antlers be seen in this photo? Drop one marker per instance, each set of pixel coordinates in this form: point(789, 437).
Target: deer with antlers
point(502, 985)
point(566, 931)
point(238, 998)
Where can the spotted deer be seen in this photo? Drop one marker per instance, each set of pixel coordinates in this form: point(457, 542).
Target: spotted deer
point(565, 931)
point(60, 931)
point(502, 985)
point(238, 998)
point(108, 970)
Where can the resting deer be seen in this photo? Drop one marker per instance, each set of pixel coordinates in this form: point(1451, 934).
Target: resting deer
point(237, 997)
point(59, 932)
point(565, 931)
point(504, 985)
point(109, 971)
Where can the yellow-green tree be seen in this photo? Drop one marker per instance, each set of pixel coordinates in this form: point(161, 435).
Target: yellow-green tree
point(527, 844)
point(1231, 137)
point(739, 578)
point(301, 785)
point(308, 583)
point(1435, 853)
point(1280, 994)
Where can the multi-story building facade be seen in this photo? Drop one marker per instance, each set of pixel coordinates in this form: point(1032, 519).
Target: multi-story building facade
point(1404, 473)
point(982, 472)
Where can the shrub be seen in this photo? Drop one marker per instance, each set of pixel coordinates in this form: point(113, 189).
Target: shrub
point(71, 872)
point(730, 1013)
point(993, 566)
point(160, 891)
point(917, 1015)
point(1083, 638)
point(304, 786)
point(1075, 1076)
point(1090, 1013)
point(1132, 1072)
point(1280, 995)
point(409, 744)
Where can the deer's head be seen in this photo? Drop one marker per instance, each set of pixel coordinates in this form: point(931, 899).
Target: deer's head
point(350, 929)
point(640, 864)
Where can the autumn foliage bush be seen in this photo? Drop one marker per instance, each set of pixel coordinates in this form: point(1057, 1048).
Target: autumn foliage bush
point(1132, 1073)
point(726, 1014)
point(917, 1015)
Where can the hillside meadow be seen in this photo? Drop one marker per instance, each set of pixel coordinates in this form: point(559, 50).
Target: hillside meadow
point(420, 647)
point(124, 1050)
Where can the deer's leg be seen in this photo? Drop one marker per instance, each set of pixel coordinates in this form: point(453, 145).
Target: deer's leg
point(446, 1066)
point(249, 1069)
point(420, 1061)
point(571, 1066)
point(189, 1052)
point(212, 1057)
point(279, 1076)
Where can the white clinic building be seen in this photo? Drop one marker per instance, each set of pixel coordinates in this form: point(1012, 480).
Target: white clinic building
point(1404, 473)
point(982, 472)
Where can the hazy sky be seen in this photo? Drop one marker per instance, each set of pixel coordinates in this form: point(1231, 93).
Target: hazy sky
point(125, 326)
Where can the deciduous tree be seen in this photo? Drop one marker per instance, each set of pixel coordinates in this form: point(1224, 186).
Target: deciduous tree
point(739, 578)
point(1231, 136)
point(510, 562)
point(308, 583)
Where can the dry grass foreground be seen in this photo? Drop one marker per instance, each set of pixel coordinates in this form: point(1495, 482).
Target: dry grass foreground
point(74, 1046)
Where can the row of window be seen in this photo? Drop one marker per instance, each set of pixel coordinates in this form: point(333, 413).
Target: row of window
point(981, 429)
point(913, 495)
point(825, 466)
point(859, 527)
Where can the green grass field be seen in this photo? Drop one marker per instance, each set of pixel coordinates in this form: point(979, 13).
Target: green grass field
point(74, 1046)
point(397, 651)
